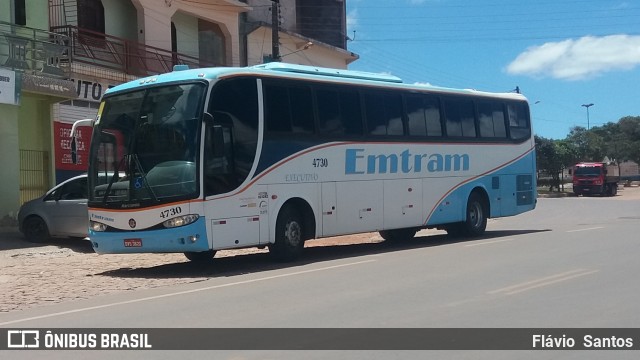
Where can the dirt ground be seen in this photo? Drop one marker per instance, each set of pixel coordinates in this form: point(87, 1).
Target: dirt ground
point(67, 270)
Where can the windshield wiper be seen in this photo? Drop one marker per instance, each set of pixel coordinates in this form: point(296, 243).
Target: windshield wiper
point(114, 177)
point(143, 176)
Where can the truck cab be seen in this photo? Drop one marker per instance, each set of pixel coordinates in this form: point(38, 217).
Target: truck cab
point(595, 178)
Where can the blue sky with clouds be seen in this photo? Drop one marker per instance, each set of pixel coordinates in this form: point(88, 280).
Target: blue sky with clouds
point(560, 53)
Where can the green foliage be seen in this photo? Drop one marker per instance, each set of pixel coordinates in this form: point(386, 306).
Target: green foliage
point(618, 141)
point(553, 156)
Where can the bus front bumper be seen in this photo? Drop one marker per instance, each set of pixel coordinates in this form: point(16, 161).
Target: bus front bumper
point(189, 238)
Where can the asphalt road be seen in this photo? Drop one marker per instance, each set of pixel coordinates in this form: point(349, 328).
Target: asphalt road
point(570, 263)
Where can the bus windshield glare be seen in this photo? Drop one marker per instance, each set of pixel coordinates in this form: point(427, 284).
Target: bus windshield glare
point(146, 146)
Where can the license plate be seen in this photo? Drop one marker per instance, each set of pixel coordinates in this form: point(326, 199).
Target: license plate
point(132, 242)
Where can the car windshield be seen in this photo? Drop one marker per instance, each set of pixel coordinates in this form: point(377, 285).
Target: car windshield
point(145, 145)
point(592, 171)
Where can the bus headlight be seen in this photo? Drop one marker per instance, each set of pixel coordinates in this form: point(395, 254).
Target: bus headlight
point(97, 227)
point(180, 221)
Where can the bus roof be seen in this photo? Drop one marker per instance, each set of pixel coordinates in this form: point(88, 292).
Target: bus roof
point(299, 72)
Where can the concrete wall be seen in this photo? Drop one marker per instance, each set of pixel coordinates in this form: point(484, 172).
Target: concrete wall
point(10, 160)
point(121, 19)
point(5, 11)
point(35, 124)
point(262, 13)
point(259, 45)
point(37, 14)
point(186, 33)
point(24, 127)
point(154, 22)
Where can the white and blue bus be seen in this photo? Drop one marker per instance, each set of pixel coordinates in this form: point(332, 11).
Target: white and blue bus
point(200, 160)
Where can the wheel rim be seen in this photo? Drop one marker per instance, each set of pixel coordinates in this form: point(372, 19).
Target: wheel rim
point(475, 215)
point(293, 233)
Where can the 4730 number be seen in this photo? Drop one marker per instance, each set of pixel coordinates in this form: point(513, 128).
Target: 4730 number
point(171, 212)
point(320, 162)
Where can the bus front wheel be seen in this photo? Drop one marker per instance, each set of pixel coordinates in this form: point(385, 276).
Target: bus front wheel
point(200, 257)
point(289, 235)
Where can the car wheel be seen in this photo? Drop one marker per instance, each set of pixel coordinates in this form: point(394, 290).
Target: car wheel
point(35, 229)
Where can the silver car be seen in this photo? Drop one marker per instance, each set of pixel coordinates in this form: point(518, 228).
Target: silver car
point(61, 212)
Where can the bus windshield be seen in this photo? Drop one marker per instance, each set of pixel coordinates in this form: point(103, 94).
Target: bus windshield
point(145, 145)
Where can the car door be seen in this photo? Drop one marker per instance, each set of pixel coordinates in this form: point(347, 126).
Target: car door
point(69, 212)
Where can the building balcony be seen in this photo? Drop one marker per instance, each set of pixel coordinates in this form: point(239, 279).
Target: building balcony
point(33, 51)
point(122, 55)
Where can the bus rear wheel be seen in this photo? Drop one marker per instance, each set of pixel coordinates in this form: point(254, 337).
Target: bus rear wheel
point(289, 235)
point(201, 257)
point(475, 223)
point(398, 235)
point(477, 213)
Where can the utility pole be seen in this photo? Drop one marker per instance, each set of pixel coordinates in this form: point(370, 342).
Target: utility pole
point(275, 29)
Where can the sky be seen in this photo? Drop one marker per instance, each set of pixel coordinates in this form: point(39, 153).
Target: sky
point(561, 54)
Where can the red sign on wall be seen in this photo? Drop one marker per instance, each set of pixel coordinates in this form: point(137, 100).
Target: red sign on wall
point(62, 145)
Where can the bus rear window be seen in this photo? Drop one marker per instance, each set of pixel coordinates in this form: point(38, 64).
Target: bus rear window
point(518, 122)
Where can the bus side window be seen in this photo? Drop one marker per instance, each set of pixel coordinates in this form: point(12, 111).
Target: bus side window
point(330, 121)
point(302, 121)
point(289, 109)
point(459, 118)
point(518, 121)
point(423, 115)
point(384, 113)
point(277, 113)
point(491, 120)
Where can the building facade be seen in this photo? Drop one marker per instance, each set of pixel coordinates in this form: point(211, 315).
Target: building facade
point(310, 32)
point(58, 57)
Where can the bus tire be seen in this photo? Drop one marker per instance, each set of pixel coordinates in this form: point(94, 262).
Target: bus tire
point(289, 235)
point(398, 235)
point(476, 215)
point(455, 230)
point(201, 257)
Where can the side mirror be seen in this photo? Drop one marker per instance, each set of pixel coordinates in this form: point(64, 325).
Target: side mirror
point(74, 129)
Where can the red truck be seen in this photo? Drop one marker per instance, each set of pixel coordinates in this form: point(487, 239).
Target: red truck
point(596, 178)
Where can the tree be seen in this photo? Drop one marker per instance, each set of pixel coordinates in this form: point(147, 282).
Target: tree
point(589, 144)
point(629, 138)
point(553, 156)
